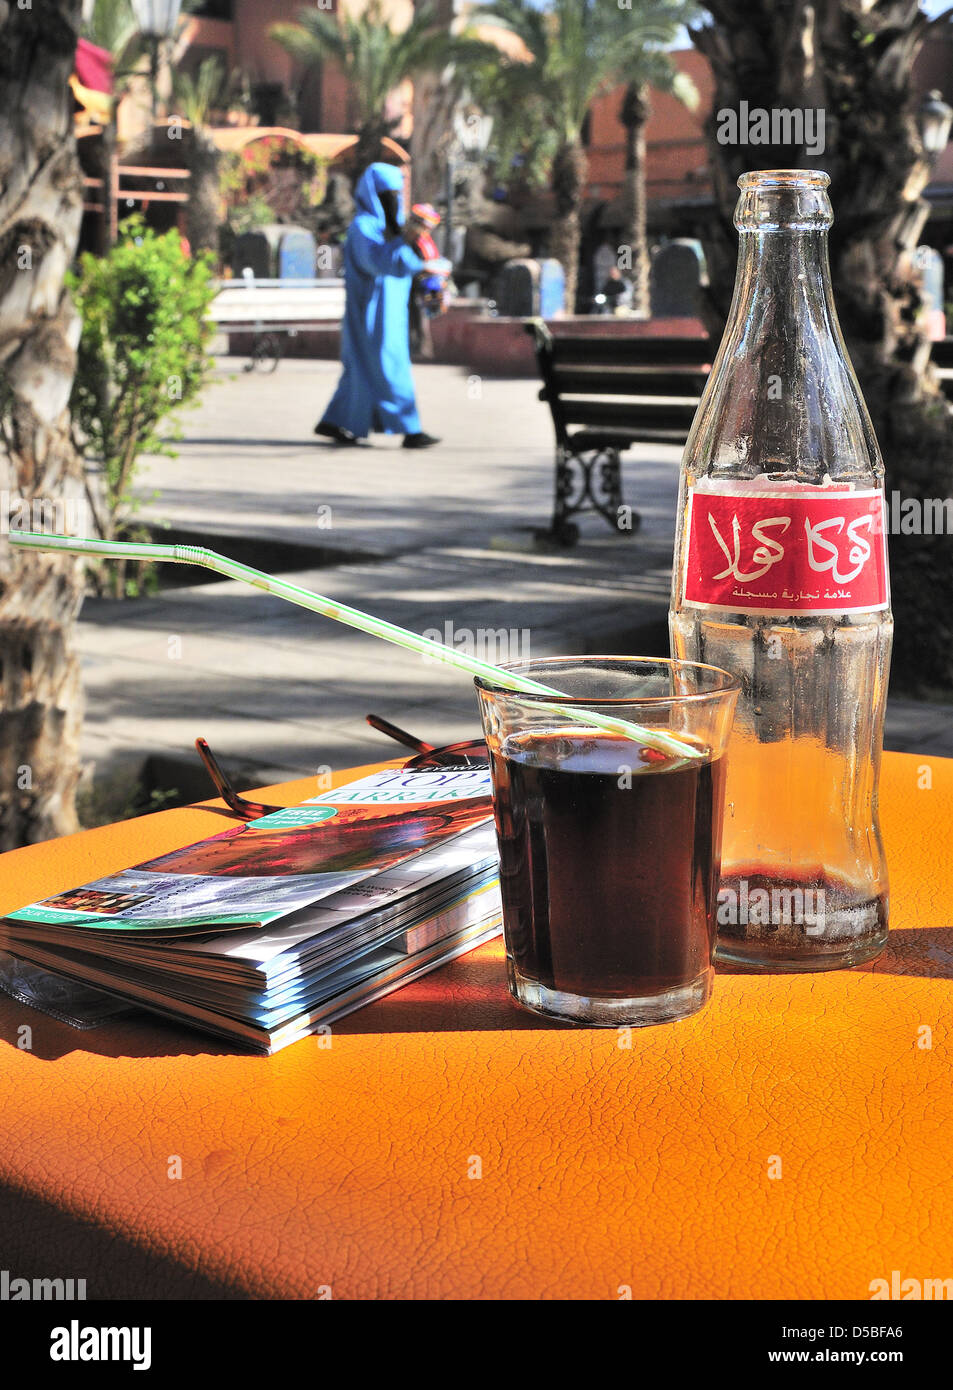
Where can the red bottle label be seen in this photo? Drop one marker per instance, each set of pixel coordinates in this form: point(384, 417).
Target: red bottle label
point(783, 552)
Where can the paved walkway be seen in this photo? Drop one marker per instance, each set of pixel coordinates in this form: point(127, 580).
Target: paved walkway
point(439, 539)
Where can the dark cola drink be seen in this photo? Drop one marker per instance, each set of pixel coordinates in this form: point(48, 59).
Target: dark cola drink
point(609, 867)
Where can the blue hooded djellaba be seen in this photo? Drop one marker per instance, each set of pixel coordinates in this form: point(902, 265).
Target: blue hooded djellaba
point(376, 391)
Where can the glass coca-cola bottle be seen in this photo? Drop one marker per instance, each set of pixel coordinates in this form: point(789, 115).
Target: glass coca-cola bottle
point(780, 577)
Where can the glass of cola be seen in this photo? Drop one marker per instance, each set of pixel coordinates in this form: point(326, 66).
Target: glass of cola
point(610, 844)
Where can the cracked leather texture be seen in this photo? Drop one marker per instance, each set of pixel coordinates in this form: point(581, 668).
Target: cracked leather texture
point(448, 1145)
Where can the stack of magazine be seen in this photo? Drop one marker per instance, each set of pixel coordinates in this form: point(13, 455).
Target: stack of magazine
point(280, 925)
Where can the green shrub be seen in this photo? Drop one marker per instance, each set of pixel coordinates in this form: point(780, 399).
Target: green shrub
point(143, 353)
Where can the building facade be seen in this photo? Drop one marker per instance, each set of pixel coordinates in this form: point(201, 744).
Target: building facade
point(282, 92)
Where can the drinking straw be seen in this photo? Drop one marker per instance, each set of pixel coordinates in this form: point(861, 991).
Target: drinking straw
point(352, 617)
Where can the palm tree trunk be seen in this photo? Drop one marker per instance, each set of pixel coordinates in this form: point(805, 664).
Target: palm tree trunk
point(634, 116)
point(368, 148)
point(203, 211)
point(568, 182)
point(857, 69)
point(40, 594)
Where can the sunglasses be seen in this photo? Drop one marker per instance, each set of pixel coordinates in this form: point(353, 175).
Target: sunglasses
point(471, 753)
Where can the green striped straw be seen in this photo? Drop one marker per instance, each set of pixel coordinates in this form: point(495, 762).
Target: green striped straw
point(353, 617)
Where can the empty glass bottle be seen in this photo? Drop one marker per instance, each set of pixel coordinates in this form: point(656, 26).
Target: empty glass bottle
point(780, 577)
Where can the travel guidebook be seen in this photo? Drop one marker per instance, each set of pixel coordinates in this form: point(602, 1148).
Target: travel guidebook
point(278, 925)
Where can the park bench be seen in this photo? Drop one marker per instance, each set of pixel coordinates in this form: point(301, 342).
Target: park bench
point(273, 310)
point(942, 359)
point(605, 393)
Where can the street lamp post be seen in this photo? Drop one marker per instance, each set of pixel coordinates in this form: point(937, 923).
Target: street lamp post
point(157, 20)
point(934, 119)
point(468, 143)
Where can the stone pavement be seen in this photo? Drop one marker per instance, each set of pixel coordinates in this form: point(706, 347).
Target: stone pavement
point(438, 539)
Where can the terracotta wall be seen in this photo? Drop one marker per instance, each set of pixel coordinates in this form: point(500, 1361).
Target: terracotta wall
point(676, 158)
point(214, 35)
point(260, 56)
point(324, 104)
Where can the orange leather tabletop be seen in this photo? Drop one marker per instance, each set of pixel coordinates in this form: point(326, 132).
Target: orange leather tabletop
point(790, 1141)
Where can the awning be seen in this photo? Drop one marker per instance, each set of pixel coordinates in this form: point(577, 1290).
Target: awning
point(329, 147)
point(92, 82)
point(93, 67)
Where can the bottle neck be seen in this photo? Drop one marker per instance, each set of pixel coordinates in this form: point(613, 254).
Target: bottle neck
point(782, 399)
point(783, 306)
point(770, 259)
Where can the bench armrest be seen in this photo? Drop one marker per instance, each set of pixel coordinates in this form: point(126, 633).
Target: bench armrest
point(541, 335)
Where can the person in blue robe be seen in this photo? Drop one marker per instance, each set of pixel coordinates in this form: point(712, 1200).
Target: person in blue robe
point(376, 390)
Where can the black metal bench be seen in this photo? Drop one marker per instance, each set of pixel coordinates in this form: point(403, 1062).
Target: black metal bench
point(606, 393)
point(942, 358)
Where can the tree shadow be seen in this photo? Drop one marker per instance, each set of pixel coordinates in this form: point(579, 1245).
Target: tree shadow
point(229, 441)
point(42, 1240)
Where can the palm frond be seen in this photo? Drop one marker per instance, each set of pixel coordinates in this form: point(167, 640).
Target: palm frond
point(316, 36)
point(374, 57)
point(582, 48)
point(526, 21)
point(199, 93)
point(112, 25)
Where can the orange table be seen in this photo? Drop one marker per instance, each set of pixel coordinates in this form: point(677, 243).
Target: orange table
point(791, 1141)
